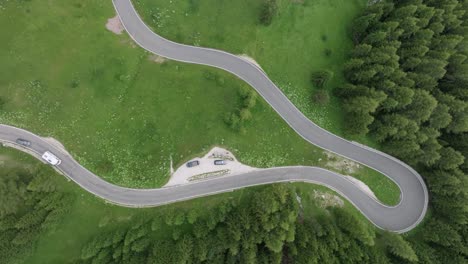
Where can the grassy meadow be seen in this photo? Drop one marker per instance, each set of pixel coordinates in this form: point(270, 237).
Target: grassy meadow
point(305, 36)
point(125, 116)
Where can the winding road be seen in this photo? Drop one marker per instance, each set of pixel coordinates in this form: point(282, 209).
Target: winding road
point(400, 218)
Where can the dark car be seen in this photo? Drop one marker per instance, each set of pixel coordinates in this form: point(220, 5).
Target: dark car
point(193, 163)
point(23, 142)
point(219, 162)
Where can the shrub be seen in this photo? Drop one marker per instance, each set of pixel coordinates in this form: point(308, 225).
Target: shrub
point(193, 6)
point(320, 78)
point(328, 52)
point(97, 73)
point(233, 121)
point(237, 119)
point(209, 75)
point(245, 114)
point(36, 84)
point(105, 166)
point(2, 102)
point(75, 83)
point(244, 91)
point(251, 100)
point(268, 11)
point(321, 97)
point(220, 81)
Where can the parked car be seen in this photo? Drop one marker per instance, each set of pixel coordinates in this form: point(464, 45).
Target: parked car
point(219, 162)
point(193, 163)
point(51, 158)
point(23, 142)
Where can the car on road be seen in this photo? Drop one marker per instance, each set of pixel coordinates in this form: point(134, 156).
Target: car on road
point(51, 158)
point(23, 142)
point(219, 162)
point(193, 163)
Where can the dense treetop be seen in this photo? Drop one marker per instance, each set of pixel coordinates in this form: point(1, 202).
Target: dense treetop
point(30, 205)
point(268, 227)
point(408, 88)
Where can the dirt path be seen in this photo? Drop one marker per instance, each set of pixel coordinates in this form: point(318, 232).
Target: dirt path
point(207, 169)
point(115, 25)
point(250, 60)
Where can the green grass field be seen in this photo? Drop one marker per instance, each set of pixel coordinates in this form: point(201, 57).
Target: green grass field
point(90, 215)
point(124, 116)
point(289, 50)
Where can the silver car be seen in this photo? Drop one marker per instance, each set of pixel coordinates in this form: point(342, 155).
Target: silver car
point(193, 163)
point(219, 162)
point(23, 142)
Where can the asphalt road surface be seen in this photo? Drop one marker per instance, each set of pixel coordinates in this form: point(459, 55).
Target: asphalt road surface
point(401, 218)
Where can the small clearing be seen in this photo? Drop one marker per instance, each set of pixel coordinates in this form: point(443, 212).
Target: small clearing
point(207, 169)
point(156, 58)
point(115, 25)
point(341, 164)
point(326, 199)
point(362, 186)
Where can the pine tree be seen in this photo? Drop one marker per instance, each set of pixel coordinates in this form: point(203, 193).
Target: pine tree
point(397, 246)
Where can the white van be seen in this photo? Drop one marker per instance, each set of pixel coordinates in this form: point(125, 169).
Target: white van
point(51, 158)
